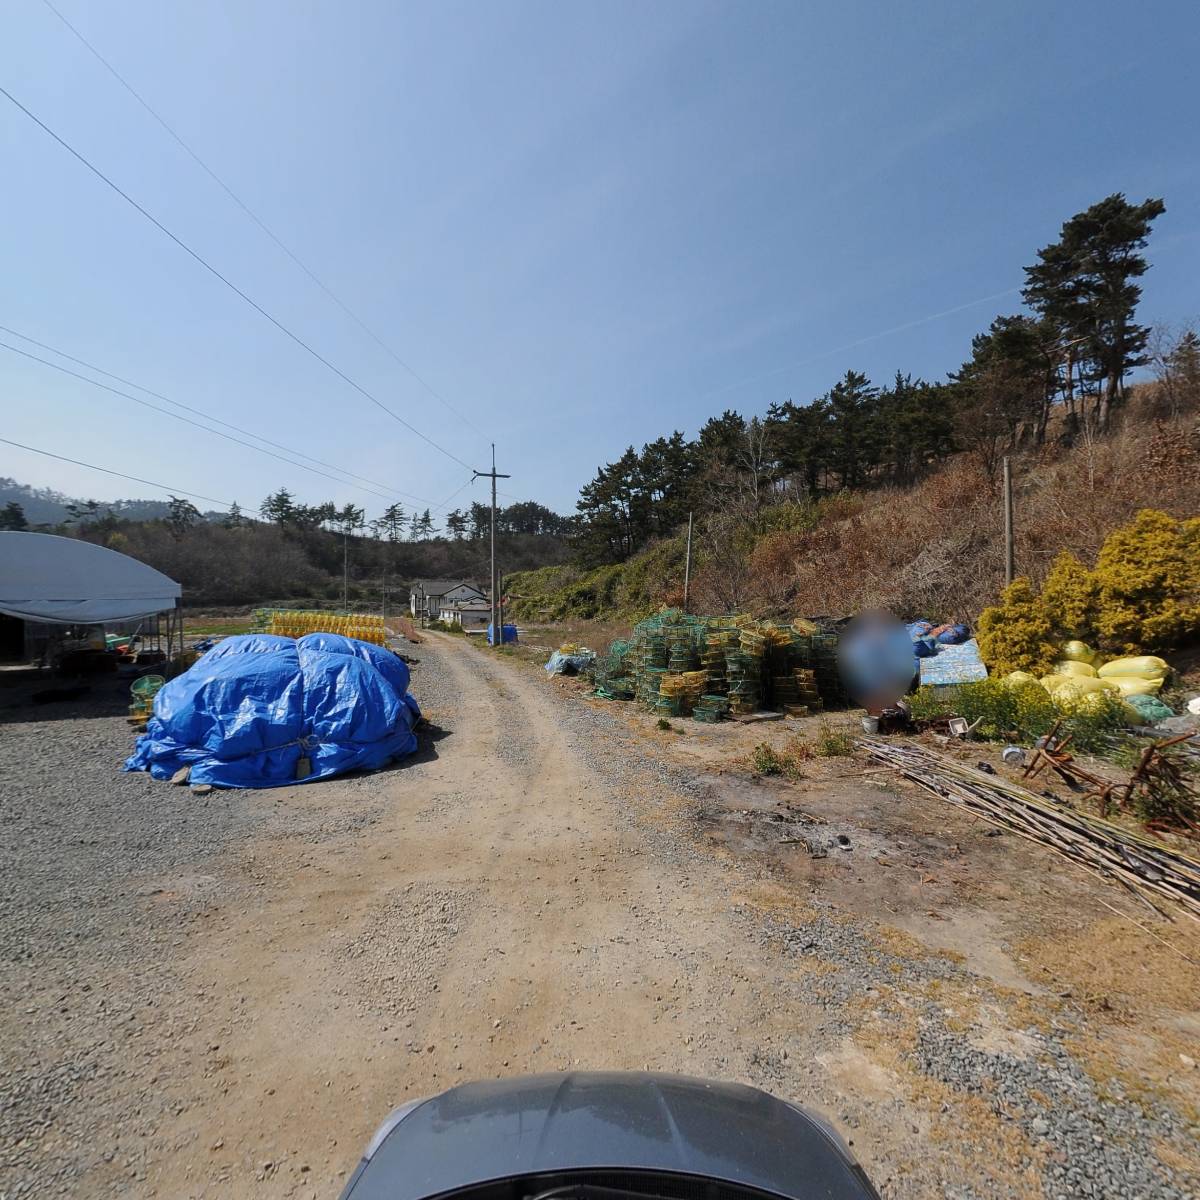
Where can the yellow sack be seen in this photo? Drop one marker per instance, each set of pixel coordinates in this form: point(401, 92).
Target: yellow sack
point(1067, 666)
point(1016, 679)
point(1133, 685)
point(1145, 666)
point(1060, 686)
point(1077, 651)
point(1094, 702)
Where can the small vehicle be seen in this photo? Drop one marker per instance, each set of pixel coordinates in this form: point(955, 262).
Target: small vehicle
point(606, 1136)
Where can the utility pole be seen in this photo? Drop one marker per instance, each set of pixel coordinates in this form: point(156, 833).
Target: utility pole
point(1008, 522)
point(497, 632)
point(687, 566)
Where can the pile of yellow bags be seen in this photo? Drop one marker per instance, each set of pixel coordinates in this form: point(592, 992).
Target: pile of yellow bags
point(1139, 676)
point(1076, 676)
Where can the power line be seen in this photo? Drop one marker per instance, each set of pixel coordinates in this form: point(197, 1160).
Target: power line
point(120, 474)
point(871, 337)
point(384, 492)
point(456, 492)
point(233, 287)
point(259, 221)
point(179, 417)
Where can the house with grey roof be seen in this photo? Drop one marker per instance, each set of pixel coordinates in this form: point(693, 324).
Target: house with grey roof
point(427, 597)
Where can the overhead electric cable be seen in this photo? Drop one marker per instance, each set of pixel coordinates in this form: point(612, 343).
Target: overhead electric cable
point(120, 474)
point(456, 491)
point(384, 492)
point(233, 287)
point(871, 337)
point(260, 222)
point(186, 420)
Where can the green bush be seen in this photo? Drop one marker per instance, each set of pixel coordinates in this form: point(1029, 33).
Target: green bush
point(765, 760)
point(1071, 599)
point(1149, 578)
point(1015, 635)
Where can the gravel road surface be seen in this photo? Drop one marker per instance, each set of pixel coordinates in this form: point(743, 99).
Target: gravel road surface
point(222, 995)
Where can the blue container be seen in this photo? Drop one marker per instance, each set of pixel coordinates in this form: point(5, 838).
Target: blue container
point(508, 633)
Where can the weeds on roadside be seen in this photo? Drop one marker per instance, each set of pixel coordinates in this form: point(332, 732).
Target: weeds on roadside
point(1026, 712)
point(833, 743)
point(664, 724)
point(766, 760)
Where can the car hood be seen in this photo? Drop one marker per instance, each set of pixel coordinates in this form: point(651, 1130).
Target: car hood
point(596, 1121)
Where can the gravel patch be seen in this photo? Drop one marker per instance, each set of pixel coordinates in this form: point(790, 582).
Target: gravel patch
point(395, 960)
point(1087, 1144)
point(104, 878)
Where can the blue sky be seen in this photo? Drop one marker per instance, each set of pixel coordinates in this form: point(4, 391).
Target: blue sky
point(582, 224)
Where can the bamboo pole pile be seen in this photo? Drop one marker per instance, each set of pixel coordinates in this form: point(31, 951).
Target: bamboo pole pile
point(1147, 869)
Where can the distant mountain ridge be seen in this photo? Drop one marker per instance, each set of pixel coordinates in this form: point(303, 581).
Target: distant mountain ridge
point(45, 506)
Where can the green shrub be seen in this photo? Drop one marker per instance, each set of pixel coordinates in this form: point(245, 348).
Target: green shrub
point(1097, 722)
point(663, 724)
point(1027, 712)
point(1149, 577)
point(1071, 599)
point(1015, 635)
point(1002, 712)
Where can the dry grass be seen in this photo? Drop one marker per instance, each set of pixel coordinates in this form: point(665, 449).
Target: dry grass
point(1140, 997)
point(937, 549)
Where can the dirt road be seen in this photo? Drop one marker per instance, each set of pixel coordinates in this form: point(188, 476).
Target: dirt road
point(533, 892)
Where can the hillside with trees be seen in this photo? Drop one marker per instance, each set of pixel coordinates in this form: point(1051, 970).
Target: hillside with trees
point(295, 553)
point(888, 494)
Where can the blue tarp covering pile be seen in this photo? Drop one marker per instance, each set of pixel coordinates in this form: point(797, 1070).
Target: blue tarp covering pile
point(251, 708)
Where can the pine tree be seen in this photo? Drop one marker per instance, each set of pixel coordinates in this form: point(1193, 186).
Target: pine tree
point(1183, 373)
point(1085, 285)
point(181, 516)
point(456, 524)
point(279, 507)
point(12, 517)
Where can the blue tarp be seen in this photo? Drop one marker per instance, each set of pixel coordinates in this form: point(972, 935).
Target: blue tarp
point(254, 705)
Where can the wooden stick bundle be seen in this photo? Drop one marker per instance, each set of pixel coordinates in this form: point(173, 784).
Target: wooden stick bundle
point(1147, 869)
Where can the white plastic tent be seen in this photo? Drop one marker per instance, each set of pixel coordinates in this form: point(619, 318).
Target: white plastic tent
point(60, 580)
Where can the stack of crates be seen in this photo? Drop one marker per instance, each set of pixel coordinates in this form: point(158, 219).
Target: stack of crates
point(711, 709)
point(824, 661)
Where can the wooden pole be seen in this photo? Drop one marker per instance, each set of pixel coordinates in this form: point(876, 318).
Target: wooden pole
point(687, 566)
point(493, 582)
point(1008, 523)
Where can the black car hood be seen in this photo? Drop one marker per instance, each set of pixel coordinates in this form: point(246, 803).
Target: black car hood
point(607, 1121)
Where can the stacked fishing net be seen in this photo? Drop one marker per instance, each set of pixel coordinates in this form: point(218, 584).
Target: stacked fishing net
point(611, 673)
point(714, 667)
